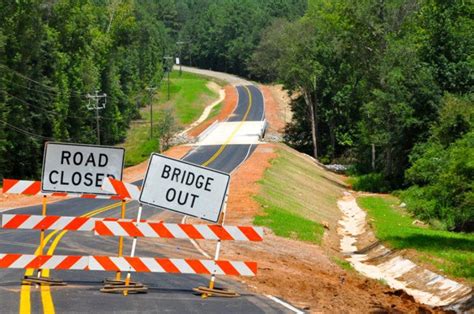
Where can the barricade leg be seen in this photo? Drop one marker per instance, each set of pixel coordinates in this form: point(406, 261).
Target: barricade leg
point(127, 286)
point(40, 280)
point(212, 290)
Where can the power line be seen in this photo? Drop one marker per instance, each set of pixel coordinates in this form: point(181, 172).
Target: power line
point(29, 88)
point(29, 104)
point(25, 132)
point(34, 81)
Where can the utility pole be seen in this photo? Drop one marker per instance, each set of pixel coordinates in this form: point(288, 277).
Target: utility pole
point(96, 104)
point(151, 90)
point(168, 69)
point(180, 44)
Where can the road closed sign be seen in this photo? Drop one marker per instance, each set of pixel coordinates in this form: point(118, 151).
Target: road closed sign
point(76, 168)
point(185, 188)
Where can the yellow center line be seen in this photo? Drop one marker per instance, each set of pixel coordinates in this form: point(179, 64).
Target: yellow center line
point(25, 292)
point(46, 297)
point(223, 146)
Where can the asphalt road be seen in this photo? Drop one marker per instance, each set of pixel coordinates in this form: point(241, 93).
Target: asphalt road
point(167, 293)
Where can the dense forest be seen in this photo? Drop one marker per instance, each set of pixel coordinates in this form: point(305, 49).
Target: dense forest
point(382, 85)
point(53, 54)
point(390, 79)
point(56, 53)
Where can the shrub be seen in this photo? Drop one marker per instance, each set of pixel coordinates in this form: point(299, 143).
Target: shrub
point(372, 182)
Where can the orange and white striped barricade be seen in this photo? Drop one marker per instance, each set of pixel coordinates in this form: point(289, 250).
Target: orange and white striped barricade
point(37, 222)
point(57, 262)
point(132, 264)
point(120, 188)
point(28, 187)
point(178, 231)
point(172, 265)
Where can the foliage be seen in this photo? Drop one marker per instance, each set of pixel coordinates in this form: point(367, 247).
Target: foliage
point(221, 35)
point(442, 171)
point(450, 252)
point(393, 75)
point(55, 53)
point(372, 182)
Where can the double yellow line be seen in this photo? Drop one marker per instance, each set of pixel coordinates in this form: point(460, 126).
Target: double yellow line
point(46, 297)
point(47, 300)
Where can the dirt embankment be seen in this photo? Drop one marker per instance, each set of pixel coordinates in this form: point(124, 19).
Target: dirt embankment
point(277, 107)
point(299, 272)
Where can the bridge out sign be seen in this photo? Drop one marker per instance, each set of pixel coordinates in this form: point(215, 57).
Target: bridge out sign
point(184, 187)
point(76, 168)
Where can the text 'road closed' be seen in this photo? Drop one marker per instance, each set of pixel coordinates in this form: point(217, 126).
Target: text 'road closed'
point(183, 187)
point(80, 168)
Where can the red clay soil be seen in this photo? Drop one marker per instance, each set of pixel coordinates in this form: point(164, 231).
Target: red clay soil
point(272, 111)
point(130, 174)
point(230, 102)
point(296, 271)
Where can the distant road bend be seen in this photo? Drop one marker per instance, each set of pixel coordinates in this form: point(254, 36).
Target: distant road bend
point(170, 293)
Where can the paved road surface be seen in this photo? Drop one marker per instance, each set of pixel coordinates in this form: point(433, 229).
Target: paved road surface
point(168, 293)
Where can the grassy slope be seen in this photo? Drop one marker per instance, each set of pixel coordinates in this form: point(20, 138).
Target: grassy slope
point(297, 197)
point(188, 97)
point(450, 252)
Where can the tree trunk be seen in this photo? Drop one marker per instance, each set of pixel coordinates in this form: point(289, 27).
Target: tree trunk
point(314, 122)
point(332, 135)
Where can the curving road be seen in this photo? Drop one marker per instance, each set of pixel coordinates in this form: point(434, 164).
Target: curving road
point(167, 293)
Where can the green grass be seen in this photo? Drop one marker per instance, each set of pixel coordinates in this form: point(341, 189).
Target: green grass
point(342, 263)
point(189, 95)
point(215, 111)
point(450, 252)
point(297, 197)
point(289, 225)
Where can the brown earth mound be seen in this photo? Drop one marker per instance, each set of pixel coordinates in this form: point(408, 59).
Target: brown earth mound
point(296, 271)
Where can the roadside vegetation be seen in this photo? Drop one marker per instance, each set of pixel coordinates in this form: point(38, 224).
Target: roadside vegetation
point(189, 95)
point(297, 197)
point(390, 79)
point(450, 252)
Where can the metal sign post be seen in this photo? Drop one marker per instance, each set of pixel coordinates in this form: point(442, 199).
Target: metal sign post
point(218, 249)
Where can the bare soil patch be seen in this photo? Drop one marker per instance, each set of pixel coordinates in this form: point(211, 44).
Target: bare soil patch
point(277, 108)
point(299, 272)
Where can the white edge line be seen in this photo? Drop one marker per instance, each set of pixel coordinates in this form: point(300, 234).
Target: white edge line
point(288, 306)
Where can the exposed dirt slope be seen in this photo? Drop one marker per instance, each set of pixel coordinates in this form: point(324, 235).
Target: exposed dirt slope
point(300, 272)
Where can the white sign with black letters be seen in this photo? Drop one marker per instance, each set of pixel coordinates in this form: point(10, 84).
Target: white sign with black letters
point(184, 187)
point(76, 168)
